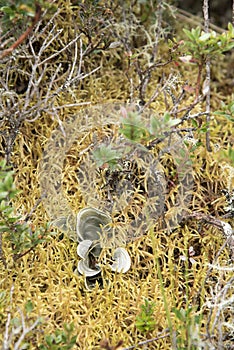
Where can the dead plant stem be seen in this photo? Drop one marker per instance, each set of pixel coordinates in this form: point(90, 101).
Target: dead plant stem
point(206, 89)
point(149, 340)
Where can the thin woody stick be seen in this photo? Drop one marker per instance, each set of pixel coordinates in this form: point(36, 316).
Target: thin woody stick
point(206, 85)
point(24, 35)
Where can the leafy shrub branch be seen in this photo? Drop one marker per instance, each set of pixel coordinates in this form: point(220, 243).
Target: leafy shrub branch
point(22, 237)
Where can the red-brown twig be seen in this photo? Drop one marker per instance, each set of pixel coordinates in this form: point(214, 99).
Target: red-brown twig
point(23, 36)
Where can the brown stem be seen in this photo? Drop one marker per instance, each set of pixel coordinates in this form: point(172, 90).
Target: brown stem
point(20, 255)
point(198, 83)
point(24, 35)
point(190, 107)
point(2, 257)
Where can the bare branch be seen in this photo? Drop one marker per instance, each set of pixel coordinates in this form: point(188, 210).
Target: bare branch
point(206, 85)
point(149, 340)
point(25, 330)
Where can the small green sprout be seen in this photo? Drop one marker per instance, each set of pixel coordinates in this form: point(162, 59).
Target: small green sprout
point(62, 339)
point(133, 127)
point(145, 321)
point(105, 155)
point(187, 329)
point(158, 126)
point(227, 111)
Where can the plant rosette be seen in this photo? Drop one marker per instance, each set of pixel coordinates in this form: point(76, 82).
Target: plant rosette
point(93, 231)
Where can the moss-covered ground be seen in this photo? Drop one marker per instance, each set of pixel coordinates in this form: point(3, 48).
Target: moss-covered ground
point(47, 276)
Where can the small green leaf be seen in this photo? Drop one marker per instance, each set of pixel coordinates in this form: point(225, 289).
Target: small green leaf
point(16, 321)
point(178, 313)
point(8, 181)
point(189, 34)
point(73, 341)
point(229, 47)
point(69, 327)
point(29, 306)
point(205, 36)
point(49, 339)
point(133, 127)
point(194, 147)
point(166, 117)
point(203, 130)
point(173, 122)
point(231, 107)
point(105, 154)
point(9, 11)
point(4, 228)
point(3, 194)
point(42, 347)
point(154, 125)
point(194, 123)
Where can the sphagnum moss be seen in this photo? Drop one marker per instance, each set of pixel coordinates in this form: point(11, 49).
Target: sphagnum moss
point(48, 277)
